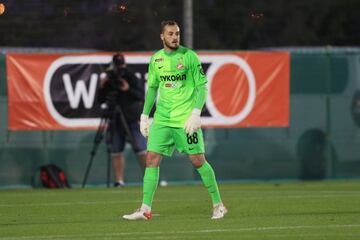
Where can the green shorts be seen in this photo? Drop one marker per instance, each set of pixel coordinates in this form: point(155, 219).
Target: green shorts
point(164, 139)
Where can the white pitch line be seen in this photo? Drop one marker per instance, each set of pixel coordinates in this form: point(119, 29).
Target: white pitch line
point(166, 233)
point(171, 200)
point(84, 203)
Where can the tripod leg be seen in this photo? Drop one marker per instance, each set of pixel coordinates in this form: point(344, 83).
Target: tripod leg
point(108, 149)
point(97, 141)
point(87, 171)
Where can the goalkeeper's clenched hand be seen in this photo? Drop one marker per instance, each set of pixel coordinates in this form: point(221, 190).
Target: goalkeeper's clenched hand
point(144, 125)
point(193, 123)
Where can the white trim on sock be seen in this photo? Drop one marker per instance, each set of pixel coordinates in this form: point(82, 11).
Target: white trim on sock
point(218, 204)
point(145, 208)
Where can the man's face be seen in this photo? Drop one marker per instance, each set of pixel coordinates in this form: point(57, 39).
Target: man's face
point(171, 37)
point(120, 66)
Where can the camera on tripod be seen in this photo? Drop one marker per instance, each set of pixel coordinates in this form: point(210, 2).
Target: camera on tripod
point(112, 83)
point(113, 95)
point(116, 72)
point(121, 95)
point(115, 77)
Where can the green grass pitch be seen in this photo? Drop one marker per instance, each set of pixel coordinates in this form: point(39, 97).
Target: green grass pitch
point(298, 210)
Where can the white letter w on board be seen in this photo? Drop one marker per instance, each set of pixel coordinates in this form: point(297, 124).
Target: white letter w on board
point(80, 91)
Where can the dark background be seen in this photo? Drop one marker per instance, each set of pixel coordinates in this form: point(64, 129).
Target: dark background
point(218, 24)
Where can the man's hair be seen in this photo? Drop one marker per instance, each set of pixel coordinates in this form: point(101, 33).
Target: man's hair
point(166, 23)
point(118, 59)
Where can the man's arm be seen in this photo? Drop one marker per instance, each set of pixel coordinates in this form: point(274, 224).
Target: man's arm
point(150, 98)
point(200, 81)
point(193, 123)
point(200, 96)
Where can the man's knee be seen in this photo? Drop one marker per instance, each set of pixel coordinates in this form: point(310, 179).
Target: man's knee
point(197, 160)
point(117, 156)
point(153, 159)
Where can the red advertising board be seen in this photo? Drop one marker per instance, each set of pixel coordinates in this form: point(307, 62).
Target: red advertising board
point(58, 91)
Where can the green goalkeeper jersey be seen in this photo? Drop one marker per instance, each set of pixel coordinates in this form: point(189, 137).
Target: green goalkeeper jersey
point(181, 84)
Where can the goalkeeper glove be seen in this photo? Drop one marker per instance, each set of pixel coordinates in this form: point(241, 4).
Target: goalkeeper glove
point(144, 125)
point(193, 123)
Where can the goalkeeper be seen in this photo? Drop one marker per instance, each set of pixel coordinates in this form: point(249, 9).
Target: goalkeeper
point(175, 73)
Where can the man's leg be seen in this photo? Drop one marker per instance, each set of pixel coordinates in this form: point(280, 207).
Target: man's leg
point(151, 177)
point(142, 160)
point(208, 177)
point(150, 183)
point(117, 140)
point(118, 162)
point(160, 142)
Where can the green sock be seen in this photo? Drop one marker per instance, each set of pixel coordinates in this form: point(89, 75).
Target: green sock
point(208, 177)
point(151, 179)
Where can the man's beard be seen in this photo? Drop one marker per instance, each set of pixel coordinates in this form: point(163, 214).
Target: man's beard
point(170, 47)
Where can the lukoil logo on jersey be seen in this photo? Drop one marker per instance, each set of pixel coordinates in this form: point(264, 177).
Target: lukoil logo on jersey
point(177, 77)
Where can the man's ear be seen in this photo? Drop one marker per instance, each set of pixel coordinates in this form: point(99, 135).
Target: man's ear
point(162, 37)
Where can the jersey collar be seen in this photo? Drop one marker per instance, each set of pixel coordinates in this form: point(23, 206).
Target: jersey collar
point(172, 52)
